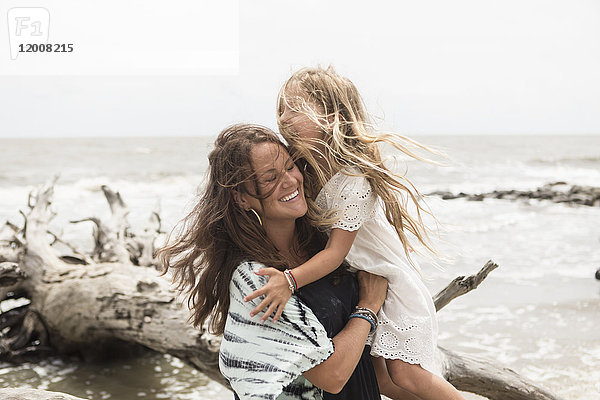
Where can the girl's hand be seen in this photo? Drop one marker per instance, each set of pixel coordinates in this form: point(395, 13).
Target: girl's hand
point(277, 292)
point(372, 290)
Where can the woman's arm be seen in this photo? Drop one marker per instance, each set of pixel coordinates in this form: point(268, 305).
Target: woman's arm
point(332, 374)
point(277, 291)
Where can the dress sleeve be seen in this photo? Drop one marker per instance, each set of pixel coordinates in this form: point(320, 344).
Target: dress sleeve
point(261, 359)
point(354, 202)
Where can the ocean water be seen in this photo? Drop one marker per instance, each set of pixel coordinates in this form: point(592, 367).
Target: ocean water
point(538, 313)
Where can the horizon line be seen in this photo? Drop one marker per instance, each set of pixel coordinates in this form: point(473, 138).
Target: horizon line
point(215, 134)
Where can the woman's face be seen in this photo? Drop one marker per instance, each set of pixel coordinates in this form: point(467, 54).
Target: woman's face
point(275, 170)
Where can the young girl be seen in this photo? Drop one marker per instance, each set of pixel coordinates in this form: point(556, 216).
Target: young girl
point(363, 207)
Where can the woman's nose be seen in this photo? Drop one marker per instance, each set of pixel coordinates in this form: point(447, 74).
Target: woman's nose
point(289, 179)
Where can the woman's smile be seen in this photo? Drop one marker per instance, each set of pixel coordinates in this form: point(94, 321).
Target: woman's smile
point(290, 197)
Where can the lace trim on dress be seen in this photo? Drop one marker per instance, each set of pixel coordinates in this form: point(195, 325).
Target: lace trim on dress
point(412, 342)
point(351, 197)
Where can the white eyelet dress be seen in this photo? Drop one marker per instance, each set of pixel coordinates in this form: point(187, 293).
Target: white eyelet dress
point(408, 326)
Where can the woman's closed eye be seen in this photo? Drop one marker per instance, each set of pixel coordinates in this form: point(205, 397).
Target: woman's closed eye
point(268, 178)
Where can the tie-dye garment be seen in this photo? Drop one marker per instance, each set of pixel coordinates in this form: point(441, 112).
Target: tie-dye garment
point(266, 360)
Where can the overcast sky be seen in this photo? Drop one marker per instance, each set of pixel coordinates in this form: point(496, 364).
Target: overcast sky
point(424, 67)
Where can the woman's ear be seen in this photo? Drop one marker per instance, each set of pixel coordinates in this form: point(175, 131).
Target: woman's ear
point(240, 200)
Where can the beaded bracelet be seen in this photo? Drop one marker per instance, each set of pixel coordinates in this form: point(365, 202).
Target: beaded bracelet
point(289, 271)
point(290, 279)
point(368, 314)
point(368, 311)
point(366, 318)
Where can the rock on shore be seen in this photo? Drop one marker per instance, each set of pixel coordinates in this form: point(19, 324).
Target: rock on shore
point(557, 192)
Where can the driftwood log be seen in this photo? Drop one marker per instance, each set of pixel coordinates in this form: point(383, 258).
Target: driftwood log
point(113, 298)
point(31, 394)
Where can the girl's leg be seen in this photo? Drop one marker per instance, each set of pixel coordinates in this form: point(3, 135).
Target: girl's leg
point(386, 386)
point(420, 382)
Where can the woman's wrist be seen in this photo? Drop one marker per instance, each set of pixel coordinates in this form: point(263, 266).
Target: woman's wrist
point(367, 315)
point(361, 322)
point(374, 306)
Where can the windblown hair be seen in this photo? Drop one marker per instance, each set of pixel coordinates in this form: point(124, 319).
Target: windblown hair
point(333, 103)
point(217, 235)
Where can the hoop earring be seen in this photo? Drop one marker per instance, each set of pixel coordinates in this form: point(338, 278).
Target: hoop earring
point(257, 216)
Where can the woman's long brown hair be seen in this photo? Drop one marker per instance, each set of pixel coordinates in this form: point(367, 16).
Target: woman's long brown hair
point(217, 235)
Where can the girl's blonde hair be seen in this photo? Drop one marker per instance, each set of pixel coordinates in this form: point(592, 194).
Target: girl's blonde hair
point(333, 103)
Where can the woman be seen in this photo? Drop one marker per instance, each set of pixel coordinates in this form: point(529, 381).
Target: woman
point(253, 214)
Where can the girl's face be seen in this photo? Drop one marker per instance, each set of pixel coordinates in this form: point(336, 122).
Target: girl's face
point(275, 170)
point(300, 123)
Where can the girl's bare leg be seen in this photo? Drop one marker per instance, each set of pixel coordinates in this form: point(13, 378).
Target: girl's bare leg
point(386, 386)
point(420, 382)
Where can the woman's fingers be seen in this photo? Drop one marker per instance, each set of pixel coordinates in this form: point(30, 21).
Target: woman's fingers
point(377, 282)
point(380, 282)
point(372, 289)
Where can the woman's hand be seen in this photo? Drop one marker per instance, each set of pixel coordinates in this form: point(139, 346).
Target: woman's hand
point(277, 293)
point(372, 290)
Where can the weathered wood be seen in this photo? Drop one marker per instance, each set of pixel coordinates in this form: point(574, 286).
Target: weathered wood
point(111, 302)
point(34, 394)
point(11, 242)
point(10, 274)
point(486, 378)
point(102, 303)
point(11, 250)
point(462, 285)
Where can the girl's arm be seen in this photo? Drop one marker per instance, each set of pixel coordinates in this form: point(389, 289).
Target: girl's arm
point(277, 291)
point(328, 259)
